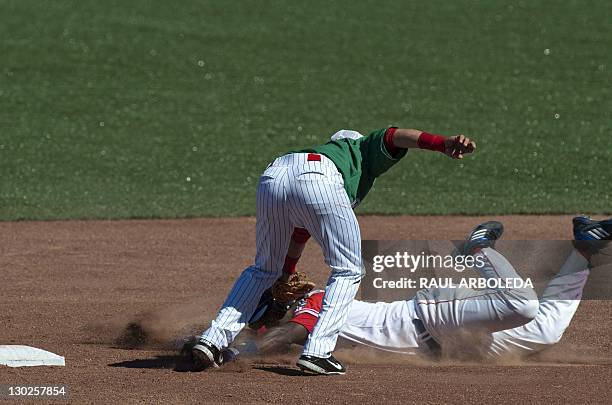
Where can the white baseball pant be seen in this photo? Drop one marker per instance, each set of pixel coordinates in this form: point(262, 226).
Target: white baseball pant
point(445, 311)
point(390, 327)
point(558, 304)
point(297, 192)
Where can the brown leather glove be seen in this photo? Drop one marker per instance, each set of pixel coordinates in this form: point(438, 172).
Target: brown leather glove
point(293, 289)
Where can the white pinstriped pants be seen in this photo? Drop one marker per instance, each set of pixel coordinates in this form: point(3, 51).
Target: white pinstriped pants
point(558, 304)
point(294, 192)
point(445, 311)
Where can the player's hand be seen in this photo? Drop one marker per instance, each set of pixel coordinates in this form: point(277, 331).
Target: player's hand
point(457, 146)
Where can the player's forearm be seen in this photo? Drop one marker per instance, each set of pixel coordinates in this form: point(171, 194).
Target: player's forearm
point(297, 243)
point(295, 249)
point(406, 138)
point(280, 338)
point(414, 138)
point(453, 146)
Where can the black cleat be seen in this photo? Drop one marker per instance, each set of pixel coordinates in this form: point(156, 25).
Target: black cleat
point(206, 356)
point(320, 365)
point(591, 236)
point(484, 235)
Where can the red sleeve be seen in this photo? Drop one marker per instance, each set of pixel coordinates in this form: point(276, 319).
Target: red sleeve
point(308, 313)
point(388, 140)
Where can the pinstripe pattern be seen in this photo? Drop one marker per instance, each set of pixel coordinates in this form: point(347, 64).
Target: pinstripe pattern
point(445, 310)
point(558, 304)
point(294, 192)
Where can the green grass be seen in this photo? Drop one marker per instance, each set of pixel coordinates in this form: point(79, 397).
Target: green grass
point(108, 107)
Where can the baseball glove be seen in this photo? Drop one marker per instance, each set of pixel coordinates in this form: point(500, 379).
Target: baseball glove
point(293, 289)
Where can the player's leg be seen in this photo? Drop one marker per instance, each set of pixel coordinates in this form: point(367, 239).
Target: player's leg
point(506, 306)
point(558, 305)
point(273, 232)
point(445, 312)
point(323, 208)
point(560, 299)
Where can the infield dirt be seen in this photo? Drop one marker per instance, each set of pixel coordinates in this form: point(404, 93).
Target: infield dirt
point(74, 287)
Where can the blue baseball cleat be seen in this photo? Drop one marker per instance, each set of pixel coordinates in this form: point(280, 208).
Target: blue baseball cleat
point(587, 229)
point(484, 235)
point(591, 236)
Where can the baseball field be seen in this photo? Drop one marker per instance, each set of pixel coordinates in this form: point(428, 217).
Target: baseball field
point(133, 134)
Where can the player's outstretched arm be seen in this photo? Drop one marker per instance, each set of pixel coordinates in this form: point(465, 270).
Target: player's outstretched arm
point(280, 338)
point(454, 146)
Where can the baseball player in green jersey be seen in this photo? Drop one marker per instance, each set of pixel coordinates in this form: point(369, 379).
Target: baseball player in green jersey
point(314, 191)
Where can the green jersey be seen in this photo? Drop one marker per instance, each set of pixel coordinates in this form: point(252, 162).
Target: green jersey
point(360, 161)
